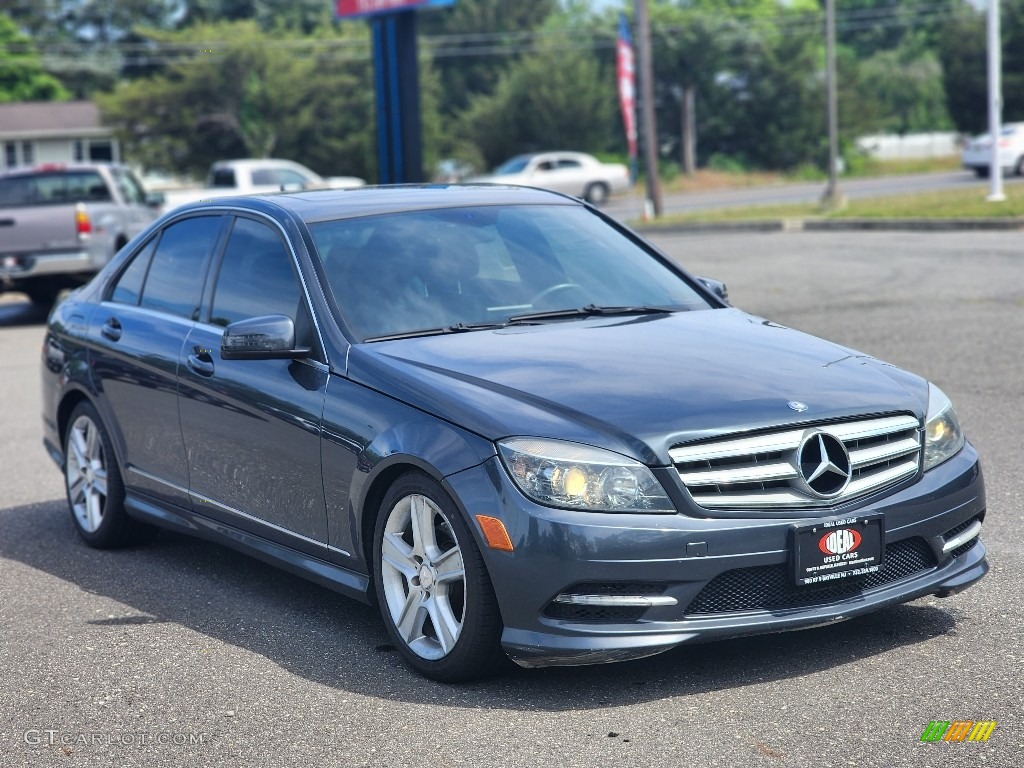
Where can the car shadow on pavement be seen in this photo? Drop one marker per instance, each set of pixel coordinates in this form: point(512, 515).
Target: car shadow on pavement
point(14, 313)
point(334, 641)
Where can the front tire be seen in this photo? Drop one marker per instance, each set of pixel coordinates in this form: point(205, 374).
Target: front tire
point(432, 586)
point(93, 484)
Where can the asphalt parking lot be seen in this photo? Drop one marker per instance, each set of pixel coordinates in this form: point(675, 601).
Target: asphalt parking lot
point(182, 653)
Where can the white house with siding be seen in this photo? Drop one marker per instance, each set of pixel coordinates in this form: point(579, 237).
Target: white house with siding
point(33, 132)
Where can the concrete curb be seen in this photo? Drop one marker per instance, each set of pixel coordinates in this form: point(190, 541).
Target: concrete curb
point(835, 225)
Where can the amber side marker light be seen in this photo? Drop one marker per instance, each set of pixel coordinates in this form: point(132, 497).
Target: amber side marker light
point(495, 533)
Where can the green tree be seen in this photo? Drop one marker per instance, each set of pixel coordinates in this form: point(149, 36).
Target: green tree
point(89, 21)
point(962, 51)
point(82, 40)
point(552, 99)
point(913, 101)
point(476, 41)
point(240, 93)
point(872, 26)
point(695, 49)
point(21, 74)
point(294, 15)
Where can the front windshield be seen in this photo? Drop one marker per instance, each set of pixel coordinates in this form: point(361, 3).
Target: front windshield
point(407, 272)
point(516, 165)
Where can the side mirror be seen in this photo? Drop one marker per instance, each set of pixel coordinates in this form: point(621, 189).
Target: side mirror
point(271, 337)
point(155, 199)
point(717, 287)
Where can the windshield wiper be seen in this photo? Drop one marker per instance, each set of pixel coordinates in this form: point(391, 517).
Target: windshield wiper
point(457, 328)
point(590, 310)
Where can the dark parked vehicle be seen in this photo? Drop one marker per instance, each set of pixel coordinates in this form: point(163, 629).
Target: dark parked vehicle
point(507, 420)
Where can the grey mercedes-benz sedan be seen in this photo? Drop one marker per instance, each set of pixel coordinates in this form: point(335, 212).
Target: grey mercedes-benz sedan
point(507, 420)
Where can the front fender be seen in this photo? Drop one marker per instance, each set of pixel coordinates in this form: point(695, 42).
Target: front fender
point(358, 466)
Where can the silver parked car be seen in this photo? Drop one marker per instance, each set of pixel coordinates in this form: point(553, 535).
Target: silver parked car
point(572, 173)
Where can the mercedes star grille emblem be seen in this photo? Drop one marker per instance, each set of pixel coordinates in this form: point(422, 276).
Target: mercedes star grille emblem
point(824, 464)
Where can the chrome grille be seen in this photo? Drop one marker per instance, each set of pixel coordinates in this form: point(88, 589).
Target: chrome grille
point(761, 471)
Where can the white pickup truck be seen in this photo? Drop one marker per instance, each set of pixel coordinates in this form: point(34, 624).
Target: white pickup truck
point(247, 177)
point(60, 223)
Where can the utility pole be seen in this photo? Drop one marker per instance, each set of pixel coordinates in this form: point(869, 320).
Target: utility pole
point(689, 129)
point(832, 197)
point(649, 128)
point(995, 102)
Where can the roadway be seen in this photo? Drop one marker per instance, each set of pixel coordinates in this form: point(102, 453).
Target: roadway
point(630, 207)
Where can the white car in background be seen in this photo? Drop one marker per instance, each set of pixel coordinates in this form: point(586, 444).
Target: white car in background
point(977, 155)
point(256, 176)
point(573, 173)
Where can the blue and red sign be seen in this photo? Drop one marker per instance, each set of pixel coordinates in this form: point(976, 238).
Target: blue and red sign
point(350, 9)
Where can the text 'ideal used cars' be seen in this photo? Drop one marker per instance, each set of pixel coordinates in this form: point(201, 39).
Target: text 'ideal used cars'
point(508, 421)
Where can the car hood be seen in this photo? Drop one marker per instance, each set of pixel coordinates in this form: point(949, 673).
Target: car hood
point(636, 385)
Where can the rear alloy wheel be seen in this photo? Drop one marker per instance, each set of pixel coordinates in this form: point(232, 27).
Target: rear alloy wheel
point(431, 583)
point(93, 484)
point(596, 193)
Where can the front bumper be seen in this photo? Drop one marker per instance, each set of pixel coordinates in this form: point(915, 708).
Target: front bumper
point(726, 577)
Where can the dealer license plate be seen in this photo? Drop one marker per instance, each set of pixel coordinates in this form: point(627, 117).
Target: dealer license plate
point(837, 549)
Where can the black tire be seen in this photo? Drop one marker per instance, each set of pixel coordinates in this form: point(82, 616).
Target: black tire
point(1020, 166)
point(42, 294)
point(981, 171)
point(420, 581)
point(92, 481)
point(597, 193)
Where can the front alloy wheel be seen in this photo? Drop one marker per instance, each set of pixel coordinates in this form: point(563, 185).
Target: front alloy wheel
point(433, 589)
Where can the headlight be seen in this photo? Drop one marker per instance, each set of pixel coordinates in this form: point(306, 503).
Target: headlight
point(564, 474)
point(942, 434)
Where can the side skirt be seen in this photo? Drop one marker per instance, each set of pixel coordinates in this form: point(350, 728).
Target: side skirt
point(349, 583)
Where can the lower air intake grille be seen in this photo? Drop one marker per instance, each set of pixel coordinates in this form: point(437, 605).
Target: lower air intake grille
point(771, 587)
point(608, 613)
point(966, 546)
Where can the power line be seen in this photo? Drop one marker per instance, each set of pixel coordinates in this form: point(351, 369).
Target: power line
point(476, 44)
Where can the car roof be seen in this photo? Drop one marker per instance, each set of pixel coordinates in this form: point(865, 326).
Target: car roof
point(328, 204)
